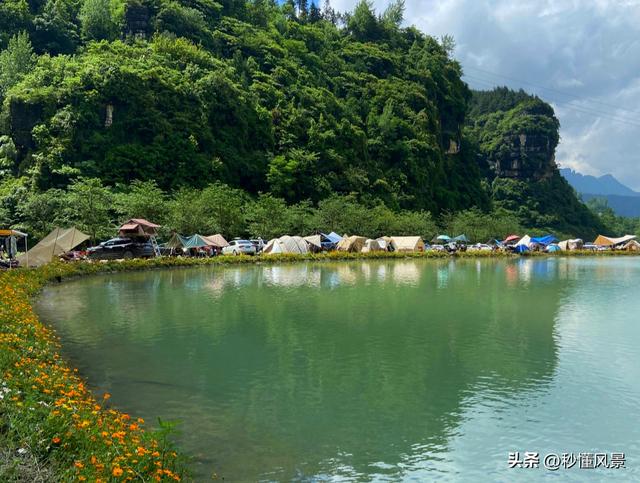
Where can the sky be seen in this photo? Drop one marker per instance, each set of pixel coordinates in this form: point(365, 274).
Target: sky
point(581, 56)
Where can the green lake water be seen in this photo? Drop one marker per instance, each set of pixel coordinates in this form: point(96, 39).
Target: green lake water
point(414, 370)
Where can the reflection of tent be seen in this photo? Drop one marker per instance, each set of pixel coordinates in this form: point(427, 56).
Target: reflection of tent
point(59, 241)
point(606, 241)
point(575, 244)
point(217, 240)
point(371, 246)
point(351, 243)
point(286, 244)
point(633, 246)
point(461, 238)
point(407, 243)
point(138, 227)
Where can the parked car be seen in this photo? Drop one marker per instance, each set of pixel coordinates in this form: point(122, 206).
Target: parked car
point(120, 248)
point(259, 244)
point(239, 247)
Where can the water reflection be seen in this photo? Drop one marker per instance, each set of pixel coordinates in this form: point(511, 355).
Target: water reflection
point(352, 369)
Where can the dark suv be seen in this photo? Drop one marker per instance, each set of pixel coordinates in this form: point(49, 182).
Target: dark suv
point(121, 248)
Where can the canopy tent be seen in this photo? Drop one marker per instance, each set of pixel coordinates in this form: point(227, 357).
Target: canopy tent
point(176, 241)
point(442, 238)
point(353, 243)
point(511, 238)
point(286, 244)
point(544, 240)
point(633, 246)
point(138, 227)
point(11, 244)
point(606, 241)
point(575, 244)
point(407, 243)
point(217, 240)
point(59, 241)
point(461, 238)
point(371, 246)
point(197, 241)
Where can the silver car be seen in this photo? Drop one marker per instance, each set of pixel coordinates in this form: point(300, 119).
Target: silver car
point(239, 247)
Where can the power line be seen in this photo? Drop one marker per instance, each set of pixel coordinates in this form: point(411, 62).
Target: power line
point(550, 89)
point(582, 109)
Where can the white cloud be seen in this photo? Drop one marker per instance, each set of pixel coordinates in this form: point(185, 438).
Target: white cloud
point(581, 55)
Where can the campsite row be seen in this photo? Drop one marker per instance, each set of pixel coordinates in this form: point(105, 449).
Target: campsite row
point(137, 239)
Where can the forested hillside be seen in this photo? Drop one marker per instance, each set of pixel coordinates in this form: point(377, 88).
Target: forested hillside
point(194, 97)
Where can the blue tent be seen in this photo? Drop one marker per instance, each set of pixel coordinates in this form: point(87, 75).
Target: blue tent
point(544, 240)
point(444, 238)
point(553, 248)
point(522, 248)
point(333, 237)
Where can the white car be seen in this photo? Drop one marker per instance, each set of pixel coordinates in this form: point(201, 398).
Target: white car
point(239, 247)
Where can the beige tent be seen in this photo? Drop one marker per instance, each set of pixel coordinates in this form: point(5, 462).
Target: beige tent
point(575, 244)
point(286, 244)
point(351, 243)
point(371, 246)
point(217, 240)
point(633, 246)
point(606, 241)
point(315, 242)
point(138, 227)
point(407, 243)
point(59, 241)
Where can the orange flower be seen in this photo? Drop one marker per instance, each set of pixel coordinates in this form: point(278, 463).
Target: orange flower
point(117, 471)
point(55, 440)
point(78, 464)
point(106, 396)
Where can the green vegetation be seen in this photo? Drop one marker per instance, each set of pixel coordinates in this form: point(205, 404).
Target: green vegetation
point(253, 118)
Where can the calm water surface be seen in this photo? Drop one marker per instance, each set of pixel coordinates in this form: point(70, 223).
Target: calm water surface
point(377, 370)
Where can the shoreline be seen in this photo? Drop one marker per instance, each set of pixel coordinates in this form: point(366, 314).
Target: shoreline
point(56, 428)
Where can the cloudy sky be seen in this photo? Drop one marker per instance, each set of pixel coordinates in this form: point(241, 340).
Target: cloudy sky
point(582, 56)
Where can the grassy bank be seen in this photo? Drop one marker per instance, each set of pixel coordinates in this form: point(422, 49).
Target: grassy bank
point(53, 428)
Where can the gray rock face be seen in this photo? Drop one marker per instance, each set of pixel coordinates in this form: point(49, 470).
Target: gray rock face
point(526, 157)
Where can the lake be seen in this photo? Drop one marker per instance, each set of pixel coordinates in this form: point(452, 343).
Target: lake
point(370, 370)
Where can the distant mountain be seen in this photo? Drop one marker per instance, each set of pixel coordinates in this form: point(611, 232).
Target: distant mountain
point(621, 205)
point(603, 185)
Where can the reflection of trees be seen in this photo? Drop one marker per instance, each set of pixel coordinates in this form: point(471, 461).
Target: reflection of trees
point(324, 365)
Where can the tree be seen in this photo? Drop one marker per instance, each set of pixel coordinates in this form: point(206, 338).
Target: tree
point(42, 212)
point(267, 217)
point(363, 24)
point(394, 14)
point(15, 61)
point(96, 20)
point(143, 199)
point(89, 205)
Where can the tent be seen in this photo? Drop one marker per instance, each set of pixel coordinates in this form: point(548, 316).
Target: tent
point(552, 248)
point(59, 241)
point(606, 241)
point(511, 239)
point(524, 241)
point(442, 238)
point(351, 243)
point(217, 240)
point(333, 237)
point(286, 244)
point(575, 244)
point(544, 240)
point(314, 241)
point(632, 245)
point(407, 243)
point(197, 241)
point(371, 246)
point(461, 238)
point(138, 227)
point(384, 242)
point(176, 241)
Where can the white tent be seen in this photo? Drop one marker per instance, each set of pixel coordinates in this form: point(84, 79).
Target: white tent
point(371, 246)
point(286, 244)
point(315, 242)
point(575, 244)
point(524, 241)
point(59, 241)
point(407, 243)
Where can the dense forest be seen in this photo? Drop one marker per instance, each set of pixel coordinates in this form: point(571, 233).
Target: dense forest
point(258, 118)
